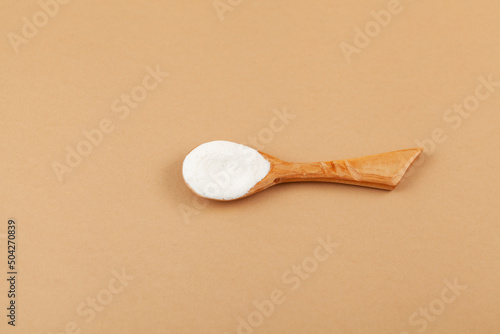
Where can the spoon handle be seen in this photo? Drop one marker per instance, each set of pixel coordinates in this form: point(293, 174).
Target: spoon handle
point(382, 171)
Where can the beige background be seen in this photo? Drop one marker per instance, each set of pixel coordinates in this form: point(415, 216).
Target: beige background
point(198, 266)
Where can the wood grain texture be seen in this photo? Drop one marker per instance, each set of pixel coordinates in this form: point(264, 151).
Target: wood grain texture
point(382, 171)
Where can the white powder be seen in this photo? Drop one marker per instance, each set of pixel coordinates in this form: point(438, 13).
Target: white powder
point(224, 170)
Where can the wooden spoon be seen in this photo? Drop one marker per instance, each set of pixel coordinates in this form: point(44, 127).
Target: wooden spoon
point(382, 171)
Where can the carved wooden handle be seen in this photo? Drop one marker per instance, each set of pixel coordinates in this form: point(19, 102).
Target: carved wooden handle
point(382, 171)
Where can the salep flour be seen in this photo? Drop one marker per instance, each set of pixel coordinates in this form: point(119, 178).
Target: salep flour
point(224, 170)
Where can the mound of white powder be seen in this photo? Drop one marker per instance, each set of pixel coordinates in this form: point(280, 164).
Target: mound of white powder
point(224, 170)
